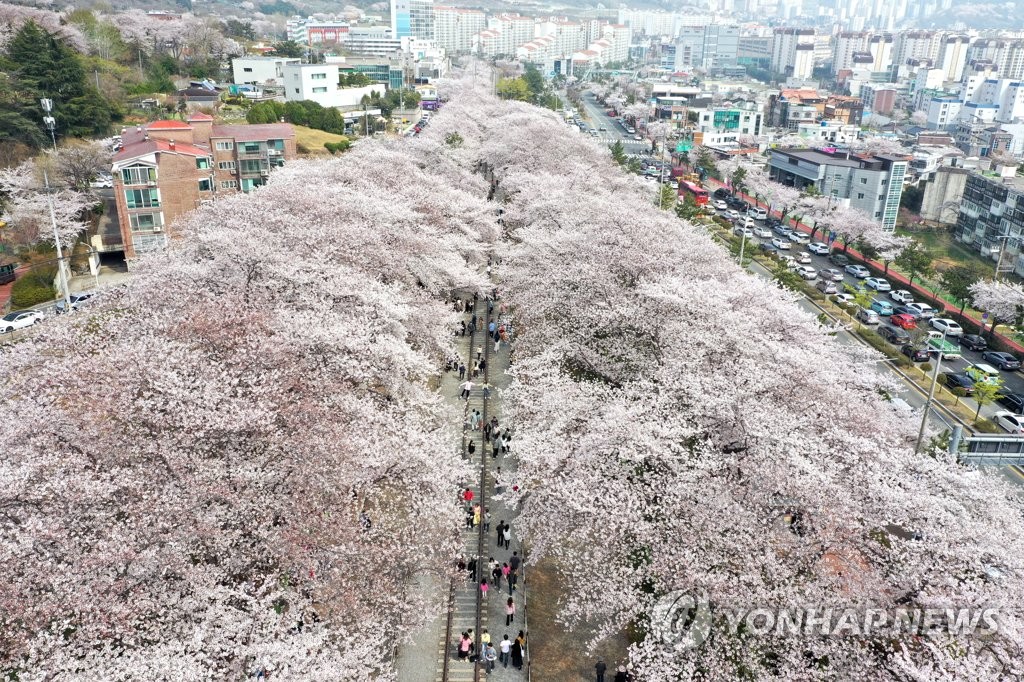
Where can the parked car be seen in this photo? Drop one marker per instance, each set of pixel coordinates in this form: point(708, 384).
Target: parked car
point(743, 232)
point(762, 232)
point(905, 310)
point(882, 307)
point(798, 237)
point(807, 272)
point(720, 205)
point(858, 271)
point(803, 257)
point(757, 213)
point(926, 310)
point(781, 244)
point(76, 301)
point(820, 248)
point(833, 274)
point(903, 321)
point(959, 380)
point(826, 286)
point(720, 193)
point(839, 259)
point(894, 335)
point(902, 296)
point(843, 299)
point(731, 214)
point(944, 324)
point(789, 261)
point(1003, 361)
point(768, 249)
point(878, 283)
point(915, 354)
point(780, 229)
point(102, 181)
point(1014, 401)
point(973, 341)
point(983, 374)
point(1011, 423)
point(867, 316)
point(19, 320)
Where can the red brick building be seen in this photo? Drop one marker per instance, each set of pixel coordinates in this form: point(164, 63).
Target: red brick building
point(167, 168)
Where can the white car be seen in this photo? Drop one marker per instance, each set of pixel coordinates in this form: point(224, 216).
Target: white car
point(1012, 423)
point(732, 215)
point(720, 205)
point(757, 213)
point(858, 271)
point(20, 320)
point(798, 237)
point(102, 181)
point(878, 283)
point(762, 232)
point(789, 262)
point(924, 310)
point(901, 295)
point(781, 244)
point(944, 324)
point(833, 274)
point(843, 299)
point(803, 258)
point(820, 248)
point(743, 232)
point(807, 272)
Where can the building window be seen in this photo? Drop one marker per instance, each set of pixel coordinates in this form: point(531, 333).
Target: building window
point(142, 198)
point(878, 214)
point(138, 175)
point(881, 196)
point(229, 184)
point(318, 91)
point(252, 166)
point(146, 222)
point(296, 91)
point(247, 69)
point(863, 181)
point(205, 185)
point(860, 195)
point(226, 165)
point(202, 162)
point(225, 146)
point(318, 76)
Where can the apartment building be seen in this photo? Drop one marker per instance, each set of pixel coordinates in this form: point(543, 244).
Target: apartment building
point(724, 126)
point(320, 83)
point(260, 70)
point(993, 206)
point(504, 34)
point(787, 59)
point(168, 168)
point(454, 27)
point(412, 18)
point(872, 184)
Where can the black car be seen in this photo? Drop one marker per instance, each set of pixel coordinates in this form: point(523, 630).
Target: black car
point(973, 342)
point(839, 259)
point(959, 380)
point(915, 354)
point(720, 193)
point(1003, 361)
point(1012, 401)
point(894, 335)
point(768, 249)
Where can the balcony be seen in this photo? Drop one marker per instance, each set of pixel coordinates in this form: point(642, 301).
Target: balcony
point(257, 154)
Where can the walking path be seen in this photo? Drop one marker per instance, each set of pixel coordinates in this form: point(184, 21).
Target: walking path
point(423, 658)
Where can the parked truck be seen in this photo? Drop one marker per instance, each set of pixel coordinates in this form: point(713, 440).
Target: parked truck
point(936, 344)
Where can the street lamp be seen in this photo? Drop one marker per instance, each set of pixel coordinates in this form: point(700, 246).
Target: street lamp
point(51, 124)
point(931, 393)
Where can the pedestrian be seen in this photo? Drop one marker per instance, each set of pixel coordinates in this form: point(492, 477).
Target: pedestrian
point(514, 561)
point(518, 651)
point(476, 515)
point(599, 668)
point(500, 530)
point(471, 448)
point(471, 568)
point(469, 517)
point(467, 388)
point(483, 365)
point(467, 495)
point(487, 426)
point(462, 327)
point(472, 327)
point(461, 563)
point(497, 481)
point(621, 676)
point(510, 612)
point(494, 423)
point(505, 571)
point(485, 637)
point(507, 536)
point(497, 342)
point(465, 646)
point(492, 327)
point(506, 648)
point(475, 419)
point(472, 320)
point(483, 588)
point(487, 519)
point(496, 576)
point(462, 371)
point(490, 656)
point(479, 351)
point(506, 441)
point(476, 369)
point(364, 521)
point(513, 579)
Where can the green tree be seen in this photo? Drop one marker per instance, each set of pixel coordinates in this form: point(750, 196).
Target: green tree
point(738, 179)
point(985, 393)
point(915, 261)
point(234, 28)
point(707, 162)
point(958, 280)
point(513, 88)
point(912, 198)
point(534, 80)
point(288, 48)
point(619, 153)
point(634, 166)
point(687, 209)
point(666, 197)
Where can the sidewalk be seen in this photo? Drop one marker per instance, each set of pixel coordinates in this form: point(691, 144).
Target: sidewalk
point(422, 658)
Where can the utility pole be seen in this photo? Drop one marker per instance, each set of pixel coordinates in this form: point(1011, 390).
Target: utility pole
point(931, 394)
point(51, 124)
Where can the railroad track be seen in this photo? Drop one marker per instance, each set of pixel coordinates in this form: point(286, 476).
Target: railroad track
point(466, 608)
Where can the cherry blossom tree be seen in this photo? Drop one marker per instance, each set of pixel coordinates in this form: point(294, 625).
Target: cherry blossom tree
point(877, 144)
point(1004, 301)
point(26, 207)
point(13, 17)
point(235, 462)
point(682, 427)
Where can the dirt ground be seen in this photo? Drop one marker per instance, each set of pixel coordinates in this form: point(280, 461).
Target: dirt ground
point(556, 654)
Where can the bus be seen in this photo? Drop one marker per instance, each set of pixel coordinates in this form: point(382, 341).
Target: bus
point(6, 273)
point(699, 194)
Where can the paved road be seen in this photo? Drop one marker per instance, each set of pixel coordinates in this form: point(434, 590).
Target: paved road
point(596, 117)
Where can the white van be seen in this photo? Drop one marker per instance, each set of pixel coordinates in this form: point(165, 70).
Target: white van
point(757, 213)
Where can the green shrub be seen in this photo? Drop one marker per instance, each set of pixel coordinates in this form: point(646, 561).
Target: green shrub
point(34, 287)
point(926, 367)
point(339, 146)
point(987, 426)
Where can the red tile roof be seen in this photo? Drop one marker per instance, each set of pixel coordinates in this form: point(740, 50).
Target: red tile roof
point(254, 133)
point(137, 149)
point(168, 125)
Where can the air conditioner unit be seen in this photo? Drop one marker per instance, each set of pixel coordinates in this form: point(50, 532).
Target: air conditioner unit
point(158, 228)
point(264, 172)
point(151, 183)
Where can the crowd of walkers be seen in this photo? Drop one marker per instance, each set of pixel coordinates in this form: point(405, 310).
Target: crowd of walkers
point(507, 651)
